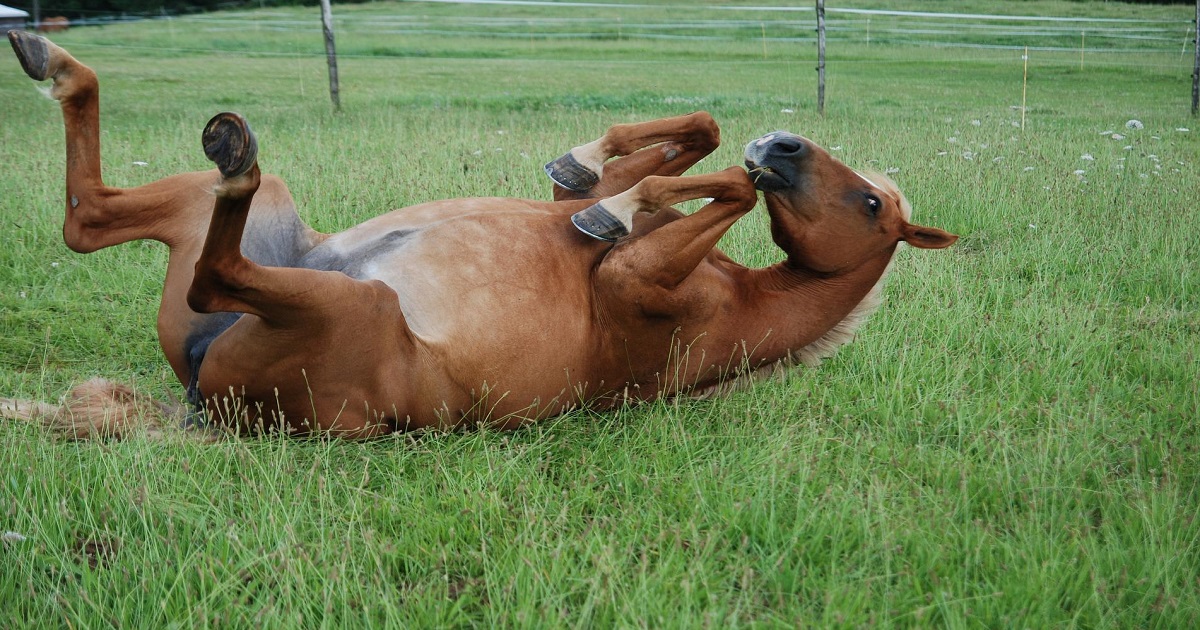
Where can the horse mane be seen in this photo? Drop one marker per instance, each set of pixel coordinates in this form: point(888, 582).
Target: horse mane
point(841, 334)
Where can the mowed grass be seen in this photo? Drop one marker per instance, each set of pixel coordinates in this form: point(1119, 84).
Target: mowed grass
point(1010, 442)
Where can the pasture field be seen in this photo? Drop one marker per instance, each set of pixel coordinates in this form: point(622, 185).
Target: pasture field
point(1011, 441)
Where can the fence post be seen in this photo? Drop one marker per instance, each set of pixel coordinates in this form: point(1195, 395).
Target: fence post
point(821, 56)
point(1196, 67)
point(331, 53)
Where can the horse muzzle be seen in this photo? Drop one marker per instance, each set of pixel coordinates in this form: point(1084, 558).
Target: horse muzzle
point(773, 160)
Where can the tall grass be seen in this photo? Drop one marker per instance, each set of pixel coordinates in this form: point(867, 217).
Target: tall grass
point(1011, 441)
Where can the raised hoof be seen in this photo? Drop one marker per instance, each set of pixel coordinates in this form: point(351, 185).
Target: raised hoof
point(229, 143)
point(32, 52)
point(597, 222)
point(567, 172)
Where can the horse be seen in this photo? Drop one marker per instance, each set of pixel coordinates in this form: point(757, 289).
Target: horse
point(491, 311)
point(53, 24)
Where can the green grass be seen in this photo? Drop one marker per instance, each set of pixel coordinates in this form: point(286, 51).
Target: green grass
point(1010, 442)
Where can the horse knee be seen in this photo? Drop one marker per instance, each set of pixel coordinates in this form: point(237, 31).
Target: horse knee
point(707, 134)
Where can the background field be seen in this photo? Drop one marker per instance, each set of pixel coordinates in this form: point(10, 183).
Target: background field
point(1011, 441)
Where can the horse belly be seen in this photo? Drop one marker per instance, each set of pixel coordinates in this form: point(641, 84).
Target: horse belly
point(508, 316)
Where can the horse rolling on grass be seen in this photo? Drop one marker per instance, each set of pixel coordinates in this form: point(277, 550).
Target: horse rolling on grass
point(427, 317)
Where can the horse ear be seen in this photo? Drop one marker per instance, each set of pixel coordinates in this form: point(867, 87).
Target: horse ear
point(927, 237)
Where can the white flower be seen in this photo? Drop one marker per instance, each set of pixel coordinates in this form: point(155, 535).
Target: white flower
point(1182, 129)
point(967, 155)
point(141, 163)
point(891, 170)
point(21, 295)
point(1134, 124)
point(1117, 136)
point(54, 264)
point(1128, 147)
point(836, 148)
point(1087, 157)
point(1032, 226)
point(1080, 172)
point(787, 110)
point(942, 152)
point(976, 123)
point(1029, 168)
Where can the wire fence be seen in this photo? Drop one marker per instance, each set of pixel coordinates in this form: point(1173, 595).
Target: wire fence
point(770, 24)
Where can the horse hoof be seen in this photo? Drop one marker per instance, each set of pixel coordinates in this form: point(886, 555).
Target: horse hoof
point(32, 52)
point(229, 143)
point(567, 172)
point(597, 222)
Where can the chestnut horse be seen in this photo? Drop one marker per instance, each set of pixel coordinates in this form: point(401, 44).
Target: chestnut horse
point(492, 310)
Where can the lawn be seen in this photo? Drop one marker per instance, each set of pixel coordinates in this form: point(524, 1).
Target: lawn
point(1011, 441)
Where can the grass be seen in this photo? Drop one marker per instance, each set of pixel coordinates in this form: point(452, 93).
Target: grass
point(1011, 441)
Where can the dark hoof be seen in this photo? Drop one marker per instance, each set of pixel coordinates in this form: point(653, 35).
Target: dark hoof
point(567, 172)
point(229, 143)
point(599, 223)
point(33, 54)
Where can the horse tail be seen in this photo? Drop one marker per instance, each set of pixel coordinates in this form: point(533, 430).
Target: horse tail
point(95, 409)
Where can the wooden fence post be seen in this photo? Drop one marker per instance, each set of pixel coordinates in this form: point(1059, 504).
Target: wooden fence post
point(331, 53)
point(821, 56)
point(1196, 67)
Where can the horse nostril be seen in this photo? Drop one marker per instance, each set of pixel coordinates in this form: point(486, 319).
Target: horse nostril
point(788, 147)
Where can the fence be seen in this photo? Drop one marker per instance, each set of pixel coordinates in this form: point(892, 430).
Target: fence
point(772, 25)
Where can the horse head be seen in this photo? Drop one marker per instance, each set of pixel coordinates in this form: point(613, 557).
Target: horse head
point(829, 218)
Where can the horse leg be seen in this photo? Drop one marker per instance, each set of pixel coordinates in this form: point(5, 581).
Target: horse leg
point(665, 256)
point(174, 210)
point(314, 344)
point(681, 141)
point(99, 216)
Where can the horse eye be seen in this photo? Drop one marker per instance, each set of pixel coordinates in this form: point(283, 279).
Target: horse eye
point(874, 205)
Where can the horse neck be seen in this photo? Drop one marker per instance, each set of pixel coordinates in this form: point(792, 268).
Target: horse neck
point(794, 308)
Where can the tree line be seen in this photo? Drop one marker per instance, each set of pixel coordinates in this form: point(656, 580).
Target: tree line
point(84, 9)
